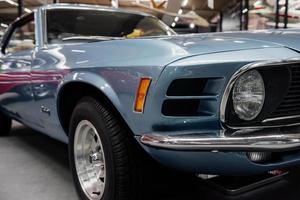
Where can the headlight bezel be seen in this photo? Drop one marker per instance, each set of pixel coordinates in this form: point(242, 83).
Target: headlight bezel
point(276, 78)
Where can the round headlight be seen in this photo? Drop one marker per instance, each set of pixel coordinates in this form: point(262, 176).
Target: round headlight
point(248, 95)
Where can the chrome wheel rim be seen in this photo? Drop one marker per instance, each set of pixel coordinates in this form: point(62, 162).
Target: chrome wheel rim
point(89, 160)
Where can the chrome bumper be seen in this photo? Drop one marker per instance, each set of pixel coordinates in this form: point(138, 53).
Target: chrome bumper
point(198, 142)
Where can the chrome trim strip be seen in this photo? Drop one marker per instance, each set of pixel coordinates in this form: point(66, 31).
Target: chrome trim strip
point(282, 142)
point(37, 29)
point(241, 71)
point(44, 27)
point(280, 118)
point(261, 126)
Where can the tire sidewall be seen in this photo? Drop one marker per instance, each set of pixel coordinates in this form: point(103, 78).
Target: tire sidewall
point(88, 111)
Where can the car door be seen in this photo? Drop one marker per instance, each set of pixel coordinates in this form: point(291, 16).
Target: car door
point(16, 96)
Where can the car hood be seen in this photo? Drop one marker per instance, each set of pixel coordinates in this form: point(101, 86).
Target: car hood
point(197, 44)
point(289, 38)
point(160, 51)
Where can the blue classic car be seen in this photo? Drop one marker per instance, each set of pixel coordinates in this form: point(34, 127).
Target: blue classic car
point(116, 85)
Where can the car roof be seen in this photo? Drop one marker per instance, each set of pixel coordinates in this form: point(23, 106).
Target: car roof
point(90, 7)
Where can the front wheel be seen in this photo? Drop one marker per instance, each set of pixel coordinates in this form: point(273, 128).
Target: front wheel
point(100, 157)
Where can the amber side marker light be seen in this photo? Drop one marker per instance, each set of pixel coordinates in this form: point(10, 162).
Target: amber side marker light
point(141, 94)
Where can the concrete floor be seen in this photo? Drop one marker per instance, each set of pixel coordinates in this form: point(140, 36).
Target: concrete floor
point(35, 167)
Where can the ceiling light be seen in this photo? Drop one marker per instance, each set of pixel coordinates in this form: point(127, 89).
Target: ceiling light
point(180, 11)
point(11, 2)
point(184, 3)
point(27, 10)
point(115, 3)
point(173, 24)
point(192, 25)
point(245, 10)
point(4, 25)
point(176, 19)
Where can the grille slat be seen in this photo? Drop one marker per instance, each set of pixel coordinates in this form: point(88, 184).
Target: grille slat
point(289, 104)
point(297, 82)
point(292, 93)
point(295, 87)
point(289, 108)
point(292, 99)
point(297, 78)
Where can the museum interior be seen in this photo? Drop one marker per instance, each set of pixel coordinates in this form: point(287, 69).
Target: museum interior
point(198, 96)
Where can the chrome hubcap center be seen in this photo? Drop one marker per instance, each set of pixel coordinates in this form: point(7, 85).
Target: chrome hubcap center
point(89, 160)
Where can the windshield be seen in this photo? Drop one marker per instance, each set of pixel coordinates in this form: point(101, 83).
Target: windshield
point(76, 25)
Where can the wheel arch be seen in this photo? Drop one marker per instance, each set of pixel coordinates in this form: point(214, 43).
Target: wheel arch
point(72, 91)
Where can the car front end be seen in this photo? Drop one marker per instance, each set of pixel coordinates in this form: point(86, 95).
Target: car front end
point(232, 112)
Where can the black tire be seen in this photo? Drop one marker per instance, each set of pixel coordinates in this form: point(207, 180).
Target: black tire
point(120, 168)
point(5, 125)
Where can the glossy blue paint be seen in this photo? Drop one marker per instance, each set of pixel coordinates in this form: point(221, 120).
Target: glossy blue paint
point(286, 37)
point(115, 68)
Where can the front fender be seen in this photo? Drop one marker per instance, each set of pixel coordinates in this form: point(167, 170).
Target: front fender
point(93, 80)
point(119, 85)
